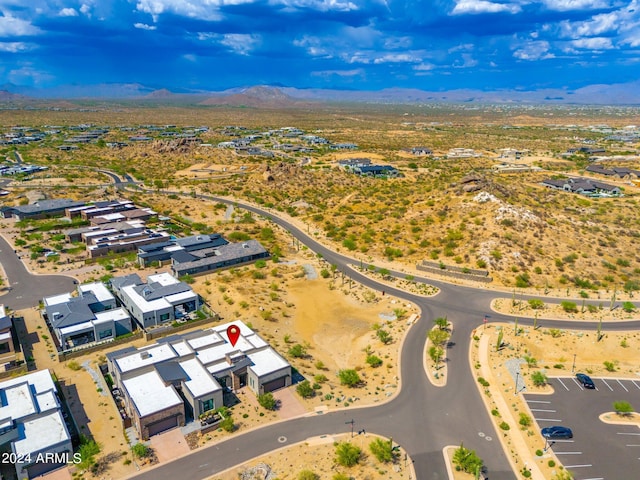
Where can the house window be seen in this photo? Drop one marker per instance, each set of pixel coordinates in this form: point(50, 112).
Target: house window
point(164, 317)
point(207, 405)
point(105, 334)
point(4, 347)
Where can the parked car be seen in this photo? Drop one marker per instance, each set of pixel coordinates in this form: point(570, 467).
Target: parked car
point(585, 380)
point(557, 431)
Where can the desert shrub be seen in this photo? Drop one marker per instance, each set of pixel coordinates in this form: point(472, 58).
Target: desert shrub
point(525, 420)
point(539, 379)
point(622, 408)
point(349, 377)
point(568, 306)
point(347, 454)
point(536, 304)
point(374, 361)
point(267, 401)
point(305, 390)
point(307, 475)
point(467, 460)
point(297, 351)
point(382, 450)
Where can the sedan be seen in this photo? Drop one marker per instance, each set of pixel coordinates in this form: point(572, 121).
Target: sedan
point(585, 380)
point(557, 432)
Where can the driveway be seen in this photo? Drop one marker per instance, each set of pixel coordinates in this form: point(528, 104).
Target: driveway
point(169, 445)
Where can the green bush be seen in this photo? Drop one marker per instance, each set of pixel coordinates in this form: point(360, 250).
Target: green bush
point(305, 390)
point(349, 377)
point(382, 450)
point(267, 401)
point(569, 307)
point(347, 454)
point(140, 450)
point(374, 361)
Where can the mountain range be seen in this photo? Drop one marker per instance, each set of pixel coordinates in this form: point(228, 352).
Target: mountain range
point(280, 97)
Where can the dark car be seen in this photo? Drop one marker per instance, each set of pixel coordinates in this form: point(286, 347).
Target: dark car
point(585, 380)
point(557, 432)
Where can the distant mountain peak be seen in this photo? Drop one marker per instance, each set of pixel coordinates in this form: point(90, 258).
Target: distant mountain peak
point(264, 92)
point(161, 93)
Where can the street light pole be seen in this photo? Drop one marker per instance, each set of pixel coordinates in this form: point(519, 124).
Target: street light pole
point(517, 376)
point(573, 367)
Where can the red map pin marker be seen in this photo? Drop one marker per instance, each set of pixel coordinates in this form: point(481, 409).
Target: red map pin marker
point(233, 333)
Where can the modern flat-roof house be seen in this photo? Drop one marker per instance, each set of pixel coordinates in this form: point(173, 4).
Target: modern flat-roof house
point(40, 209)
point(31, 423)
point(90, 317)
point(162, 252)
point(209, 259)
point(583, 186)
point(183, 376)
point(162, 299)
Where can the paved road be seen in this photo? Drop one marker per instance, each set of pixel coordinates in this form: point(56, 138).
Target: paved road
point(422, 418)
point(28, 289)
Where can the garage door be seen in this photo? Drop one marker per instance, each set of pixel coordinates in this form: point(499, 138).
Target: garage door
point(38, 469)
point(274, 384)
point(162, 425)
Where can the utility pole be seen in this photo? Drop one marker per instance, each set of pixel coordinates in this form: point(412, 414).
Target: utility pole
point(352, 422)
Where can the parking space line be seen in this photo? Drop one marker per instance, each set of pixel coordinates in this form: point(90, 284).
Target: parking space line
point(560, 440)
point(634, 382)
point(577, 383)
point(556, 420)
point(538, 401)
point(594, 478)
point(562, 383)
point(567, 467)
point(622, 385)
point(542, 410)
point(605, 382)
point(632, 445)
point(627, 433)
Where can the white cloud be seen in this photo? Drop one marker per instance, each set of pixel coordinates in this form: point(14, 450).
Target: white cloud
point(201, 9)
point(313, 45)
point(68, 12)
point(15, 47)
point(144, 26)
point(396, 58)
point(467, 61)
point(424, 67)
point(341, 73)
point(538, 50)
point(320, 5)
point(27, 75)
point(483, 6)
point(595, 43)
point(242, 44)
point(566, 5)
point(85, 9)
point(15, 27)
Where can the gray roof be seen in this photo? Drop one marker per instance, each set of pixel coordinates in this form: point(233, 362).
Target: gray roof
point(195, 240)
point(231, 251)
point(155, 290)
point(123, 281)
point(171, 371)
point(42, 206)
point(76, 310)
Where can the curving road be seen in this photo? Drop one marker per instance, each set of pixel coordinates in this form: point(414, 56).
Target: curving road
point(421, 417)
point(26, 289)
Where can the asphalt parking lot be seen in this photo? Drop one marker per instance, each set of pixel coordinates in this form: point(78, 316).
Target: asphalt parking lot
point(597, 450)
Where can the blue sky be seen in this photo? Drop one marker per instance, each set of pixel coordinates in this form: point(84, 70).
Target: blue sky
point(366, 45)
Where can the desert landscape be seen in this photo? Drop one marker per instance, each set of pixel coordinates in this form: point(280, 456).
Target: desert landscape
point(459, 212)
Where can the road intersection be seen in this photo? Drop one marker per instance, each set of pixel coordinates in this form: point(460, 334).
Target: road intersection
point(421, 417)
